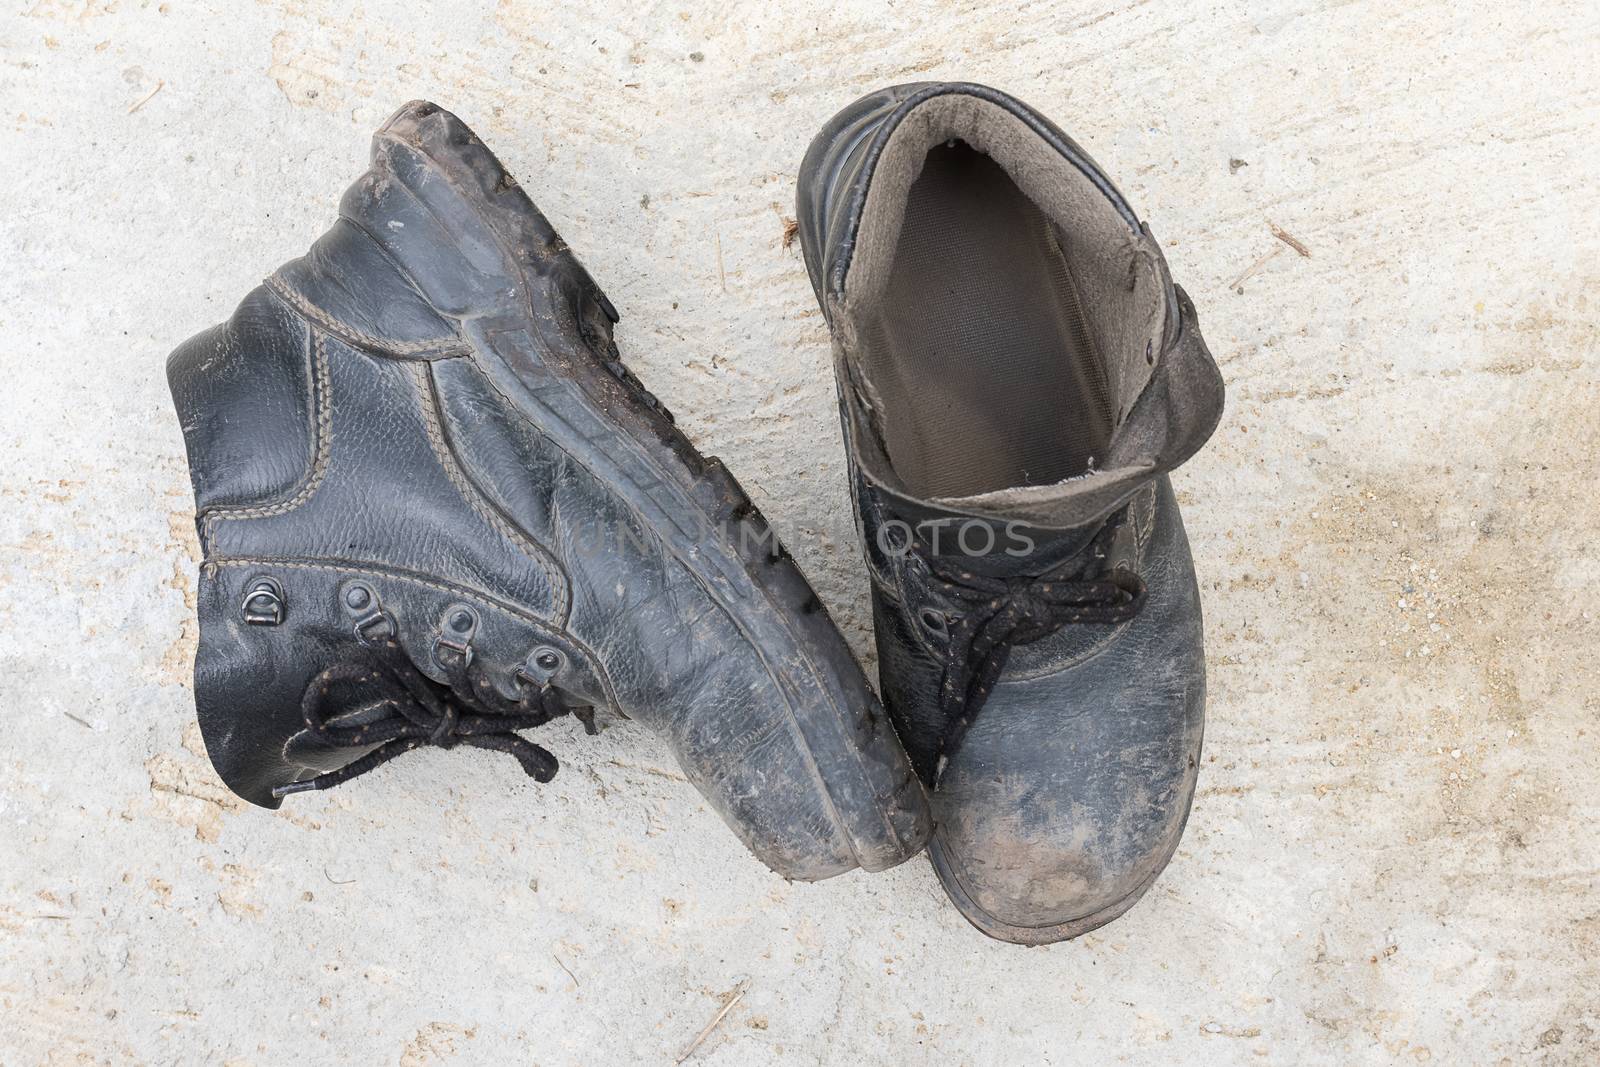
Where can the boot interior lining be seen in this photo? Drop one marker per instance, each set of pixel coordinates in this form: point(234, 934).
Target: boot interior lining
point(987, 374)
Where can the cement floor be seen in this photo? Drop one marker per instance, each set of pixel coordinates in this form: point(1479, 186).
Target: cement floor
point(1396, 845)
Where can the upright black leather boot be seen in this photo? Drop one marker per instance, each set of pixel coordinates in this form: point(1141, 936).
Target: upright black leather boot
point(1017, 375)
point(435, 510)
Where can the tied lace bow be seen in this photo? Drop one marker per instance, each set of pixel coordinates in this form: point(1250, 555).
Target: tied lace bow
point(420, 711)
point(1001, 613)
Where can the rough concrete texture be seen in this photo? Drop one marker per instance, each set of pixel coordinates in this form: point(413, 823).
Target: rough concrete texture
point(1394, 852)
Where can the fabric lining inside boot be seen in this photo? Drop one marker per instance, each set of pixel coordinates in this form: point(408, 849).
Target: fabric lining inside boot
point(988, 375)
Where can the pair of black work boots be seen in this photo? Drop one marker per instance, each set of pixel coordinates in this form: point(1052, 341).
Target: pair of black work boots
point(436, 509)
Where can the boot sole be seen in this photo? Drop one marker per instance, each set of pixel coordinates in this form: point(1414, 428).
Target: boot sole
point(687, 498)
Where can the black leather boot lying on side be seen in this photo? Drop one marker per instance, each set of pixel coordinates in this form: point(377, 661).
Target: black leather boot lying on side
point(436, 510)
point(1018, 374)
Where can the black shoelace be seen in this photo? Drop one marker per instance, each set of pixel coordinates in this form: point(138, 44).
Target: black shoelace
point(1002, 613)
point(420, 711)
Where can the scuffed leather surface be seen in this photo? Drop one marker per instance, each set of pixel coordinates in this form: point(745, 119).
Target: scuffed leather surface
point(442, 451)
point(346, 284)
point(1075, 778)
point(1070, 790)
point(677, 660)
point(243, 393)
point(383, 492)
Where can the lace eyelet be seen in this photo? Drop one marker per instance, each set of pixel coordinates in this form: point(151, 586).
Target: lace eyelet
point(935, 621)
point(360, 602)
point(894, 537)
point(264, 603)
point(542, 665)
point(456, 630)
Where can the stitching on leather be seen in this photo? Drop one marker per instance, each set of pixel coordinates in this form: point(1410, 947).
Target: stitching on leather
point(321, 432)
point(360, 338)
point(469, 492)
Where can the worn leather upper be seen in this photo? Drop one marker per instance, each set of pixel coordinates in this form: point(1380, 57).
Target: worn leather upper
point(1070, 790)
point(421, 405)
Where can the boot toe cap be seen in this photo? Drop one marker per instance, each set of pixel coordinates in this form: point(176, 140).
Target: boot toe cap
point(1049, 827)
point(1049, 880)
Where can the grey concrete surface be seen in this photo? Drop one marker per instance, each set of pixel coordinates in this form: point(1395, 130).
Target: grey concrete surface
point(1394, 854)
